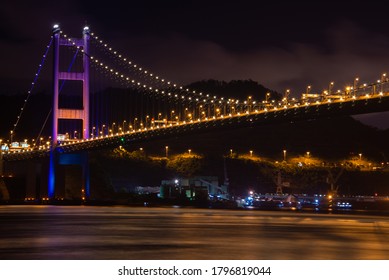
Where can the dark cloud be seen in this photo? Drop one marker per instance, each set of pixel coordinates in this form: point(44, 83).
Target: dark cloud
point(295, 67)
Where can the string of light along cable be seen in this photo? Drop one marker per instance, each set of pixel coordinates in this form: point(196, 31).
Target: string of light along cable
point(29, 92)
point(134, 82)
point(151, 75)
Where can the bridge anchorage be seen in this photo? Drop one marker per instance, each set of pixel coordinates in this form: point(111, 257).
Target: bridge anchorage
point(45, 168)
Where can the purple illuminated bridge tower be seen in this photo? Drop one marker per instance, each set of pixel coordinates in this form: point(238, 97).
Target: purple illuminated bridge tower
point(81, 158)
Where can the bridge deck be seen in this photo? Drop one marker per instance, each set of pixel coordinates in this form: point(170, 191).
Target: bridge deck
point(360, 105)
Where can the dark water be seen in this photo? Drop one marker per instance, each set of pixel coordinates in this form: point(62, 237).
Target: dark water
point(96, 232)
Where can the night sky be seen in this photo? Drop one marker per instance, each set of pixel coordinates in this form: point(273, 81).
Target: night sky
point(282, 45)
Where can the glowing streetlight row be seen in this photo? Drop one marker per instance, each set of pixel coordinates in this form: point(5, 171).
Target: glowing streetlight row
point(157, 127)
point(127, 79)
point(144, 86)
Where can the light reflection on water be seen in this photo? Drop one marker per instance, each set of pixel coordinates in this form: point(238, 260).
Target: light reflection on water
point(90, 232)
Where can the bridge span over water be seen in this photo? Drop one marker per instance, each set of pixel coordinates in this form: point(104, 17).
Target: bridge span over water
point(186, 111)
point(326, 109)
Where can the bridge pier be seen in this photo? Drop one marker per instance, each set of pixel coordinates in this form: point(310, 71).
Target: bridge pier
point(4, 193)
point(33, 170)
point(36, 180)
point(17, 182)
point(80, 159)
point(63, 176)
point(40, 180)
point(1, 164)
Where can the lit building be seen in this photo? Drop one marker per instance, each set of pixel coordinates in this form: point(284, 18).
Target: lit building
point(194, 188)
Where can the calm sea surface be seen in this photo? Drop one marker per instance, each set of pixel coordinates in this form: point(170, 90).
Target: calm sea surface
point(146, 233)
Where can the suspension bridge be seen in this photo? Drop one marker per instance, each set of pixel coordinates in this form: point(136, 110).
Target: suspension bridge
point(159, 109)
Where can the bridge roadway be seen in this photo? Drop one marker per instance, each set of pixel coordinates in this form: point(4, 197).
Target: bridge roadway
point(360, 105)
point(92, 232)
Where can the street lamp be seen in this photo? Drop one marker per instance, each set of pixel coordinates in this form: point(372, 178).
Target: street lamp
point(249, 103)
point(200, 111)
point(267, 97)
point(233, 110)
point(286, 96)
point(251, 153)
point(360, 156)
point(284, 151)
point(167, 151)
point(330, 88)
point(189, 151)
point(355, 85)
point(383, 80)
point(308, 89)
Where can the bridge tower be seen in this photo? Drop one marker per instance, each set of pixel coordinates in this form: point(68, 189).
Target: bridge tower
point(81, 158)
point(82, 114)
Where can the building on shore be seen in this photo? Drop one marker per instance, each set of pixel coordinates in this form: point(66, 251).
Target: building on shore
point(195, 188)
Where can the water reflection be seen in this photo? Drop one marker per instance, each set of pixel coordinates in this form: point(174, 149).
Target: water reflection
point(89, 232)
